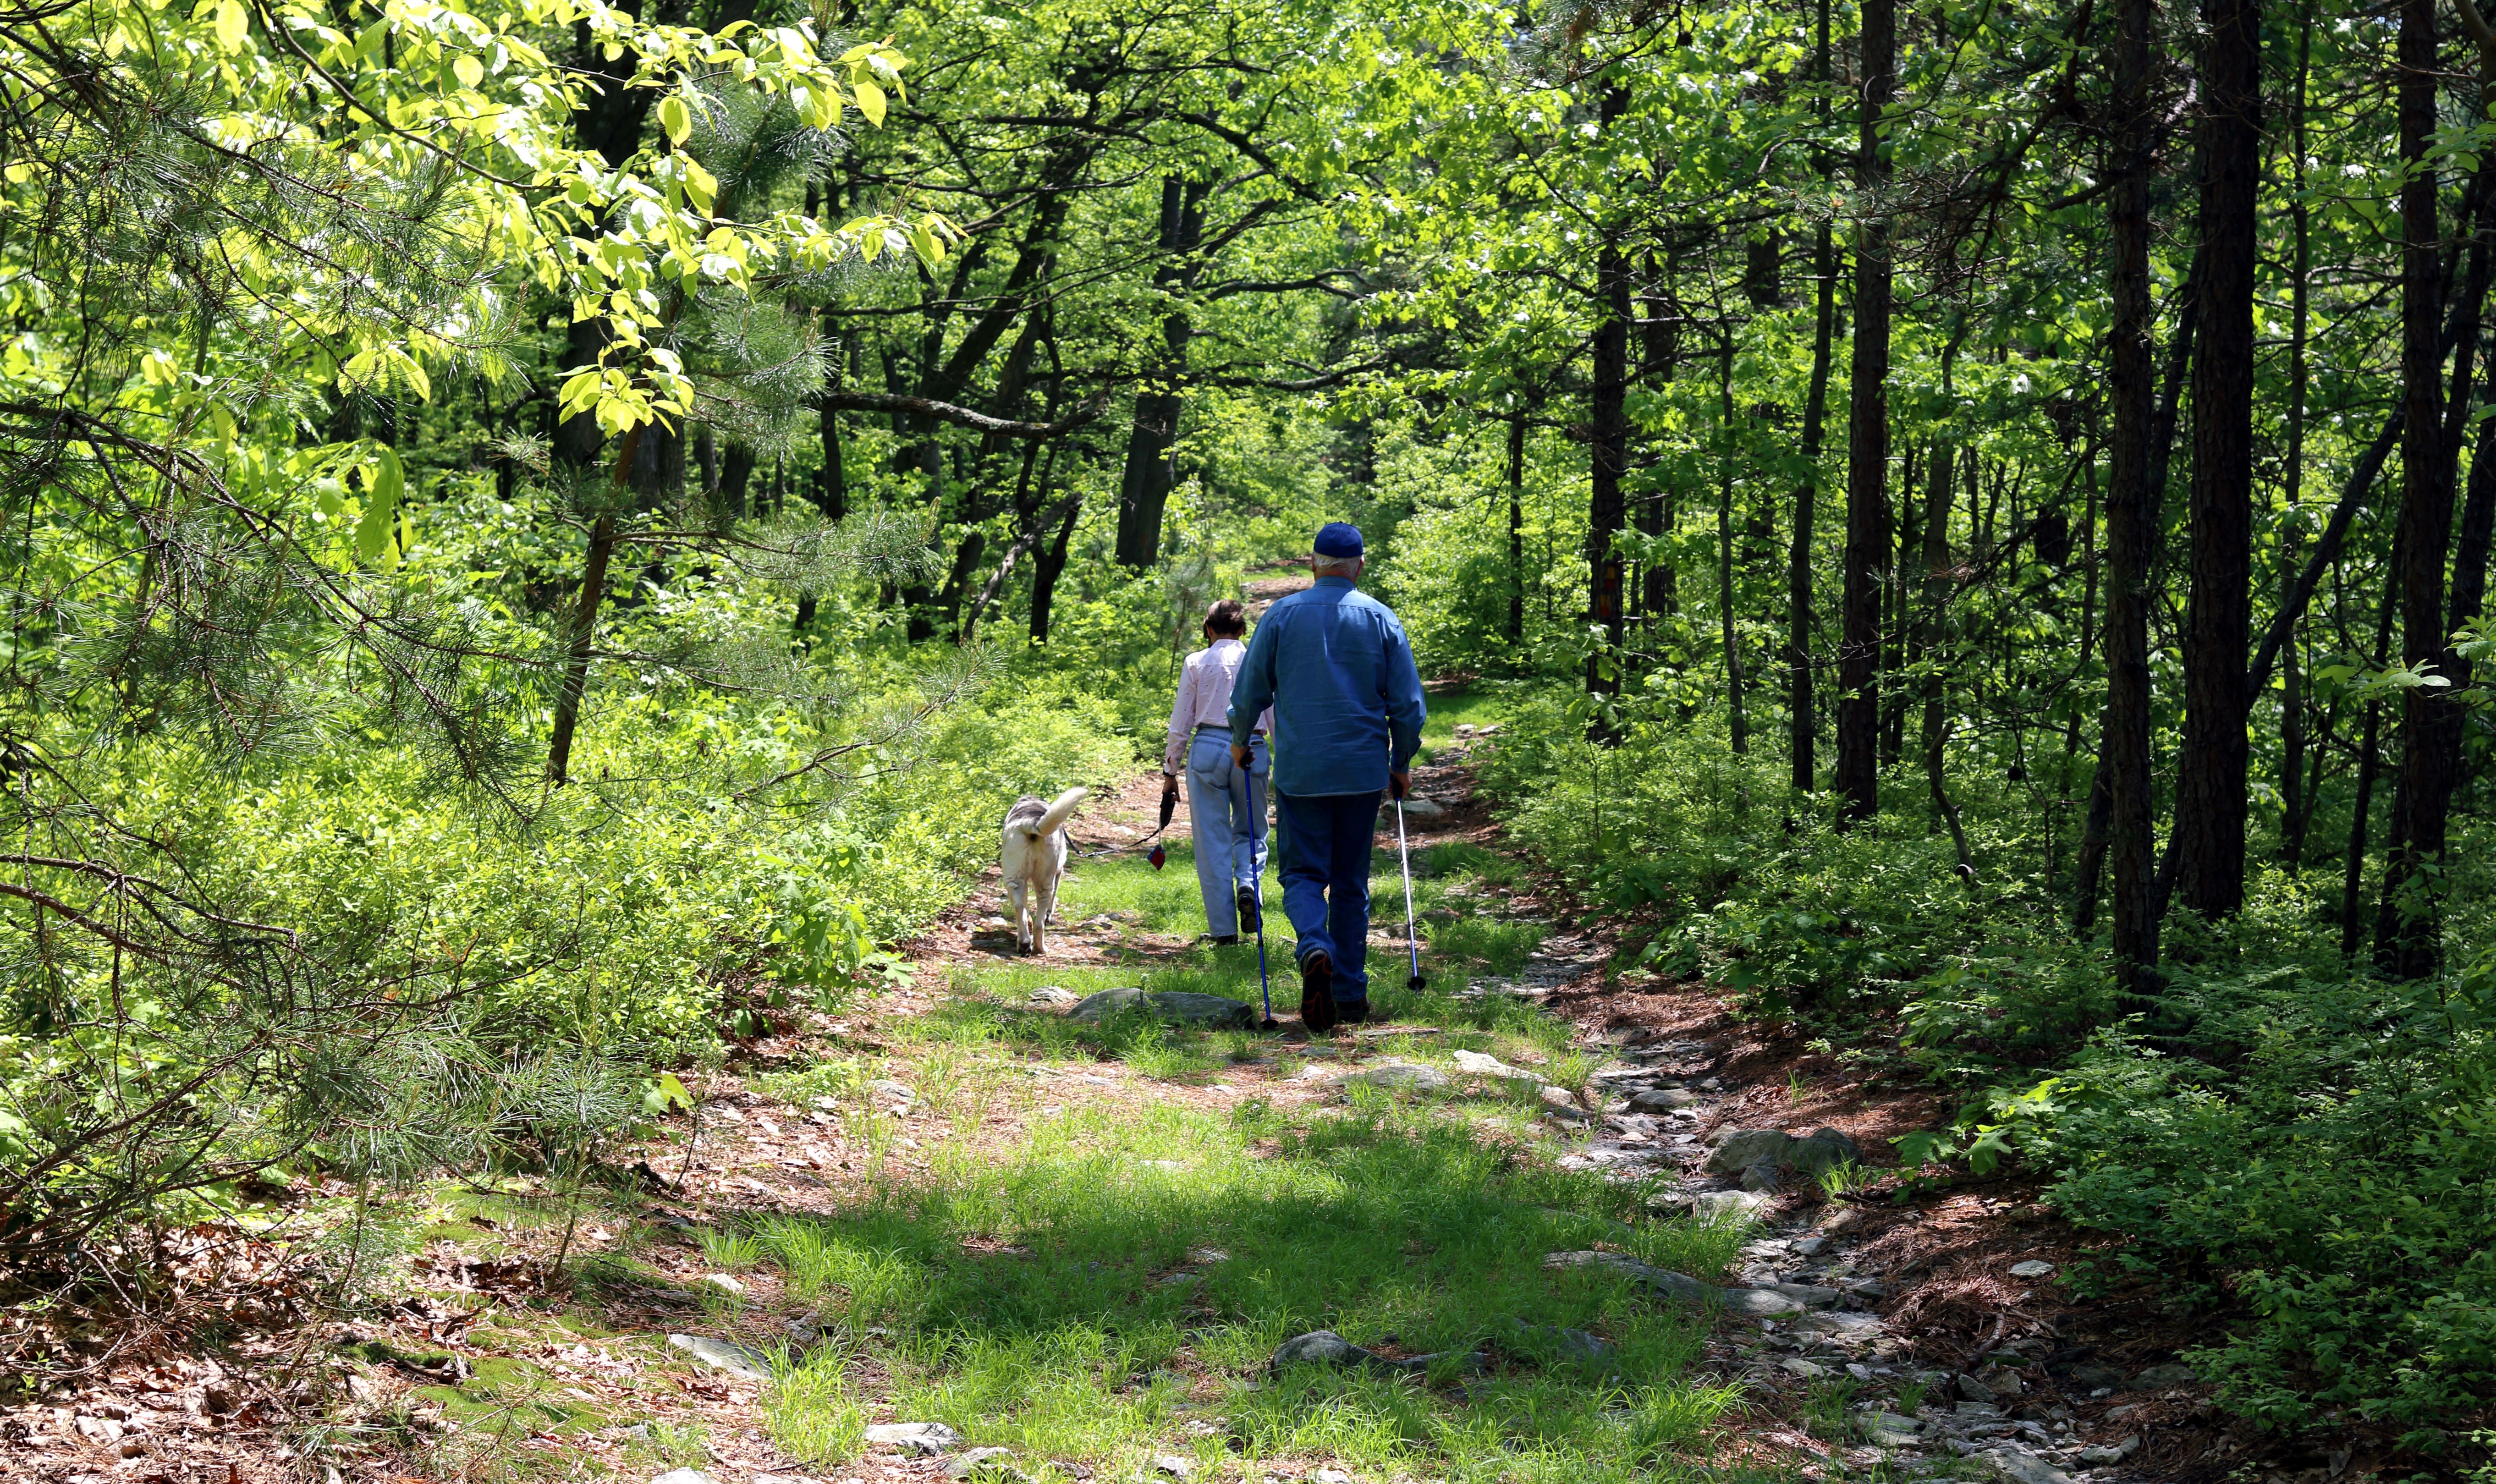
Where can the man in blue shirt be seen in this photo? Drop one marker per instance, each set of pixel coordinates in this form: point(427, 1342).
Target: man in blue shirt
point(1338, 671)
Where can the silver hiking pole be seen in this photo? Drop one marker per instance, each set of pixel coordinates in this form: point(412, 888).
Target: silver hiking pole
point(1412, 934)
point(1257, 886)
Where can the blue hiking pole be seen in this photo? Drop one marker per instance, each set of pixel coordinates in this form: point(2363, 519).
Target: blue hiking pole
point(1265, 990)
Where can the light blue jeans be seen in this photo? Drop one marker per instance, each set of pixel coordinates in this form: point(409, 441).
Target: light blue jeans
point(1225, 810)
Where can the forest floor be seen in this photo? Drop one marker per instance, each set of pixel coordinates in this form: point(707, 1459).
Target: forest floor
point(953, 1204)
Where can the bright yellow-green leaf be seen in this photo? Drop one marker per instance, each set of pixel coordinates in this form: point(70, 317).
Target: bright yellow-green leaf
point(387, 481)
point(468, 70)
point(234, 25)
point(675, 118)
point(870, 102)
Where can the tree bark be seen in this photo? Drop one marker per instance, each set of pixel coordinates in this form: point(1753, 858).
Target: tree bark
point(2409, 921)
point(1051, 563)
point(1801, 720)
point(2353, 869)
point(584, 629)
point(2211, 769)
point(2131, 510)
point(1736, 718)
point(1931, 637)
point(2292, 700)
point(1608, 511)
point(1517, 528)
point(1868, 441)
point(1150, 473)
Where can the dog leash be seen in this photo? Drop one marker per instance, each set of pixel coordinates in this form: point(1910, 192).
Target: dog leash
point(1158, 855)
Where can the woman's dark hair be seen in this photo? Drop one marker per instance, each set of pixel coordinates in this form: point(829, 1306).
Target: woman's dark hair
point(1226, 619)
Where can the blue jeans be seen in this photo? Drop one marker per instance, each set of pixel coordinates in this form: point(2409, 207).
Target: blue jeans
point(1226, 812)
point(1326, 880)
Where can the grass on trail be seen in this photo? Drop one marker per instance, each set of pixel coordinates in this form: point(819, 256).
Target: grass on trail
point(1108, 1289)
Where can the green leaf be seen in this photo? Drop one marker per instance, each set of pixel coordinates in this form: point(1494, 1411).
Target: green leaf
point(380, 507)
point(675, 118)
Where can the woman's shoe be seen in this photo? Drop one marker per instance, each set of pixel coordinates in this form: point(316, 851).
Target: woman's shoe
point(1226, 940)
point(1249, 921)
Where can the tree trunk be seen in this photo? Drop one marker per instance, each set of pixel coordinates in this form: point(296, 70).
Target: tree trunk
point(832, 496)
point(2211, 769)
point(2132, 509)
point(1932, 633)
point(2409, 922)
point(1517, 528)
point(1897, 632)
point(736, 472)
point(1046, 572)
point(1867, 442)
point(2292, 700)
point(1608, 511)
point(1150, 473)
point(1801, 723)
point(584, 629)
point(2353, 870)
point(1736, 719)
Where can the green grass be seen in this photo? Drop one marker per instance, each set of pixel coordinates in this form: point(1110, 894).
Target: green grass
point(1391, 1225)
point(1059, 1299)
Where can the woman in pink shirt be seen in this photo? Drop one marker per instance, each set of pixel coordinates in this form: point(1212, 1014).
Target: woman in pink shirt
point(1226, 803)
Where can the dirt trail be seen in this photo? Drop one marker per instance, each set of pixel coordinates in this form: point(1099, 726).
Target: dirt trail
point(491, 1366)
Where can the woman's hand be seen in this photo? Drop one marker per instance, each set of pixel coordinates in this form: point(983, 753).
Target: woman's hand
point(1169, 786)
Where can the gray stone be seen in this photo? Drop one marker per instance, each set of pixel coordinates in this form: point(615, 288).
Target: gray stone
point(1973, 1390)
point(1820, 1151)
point(1738, 1149)
point(1400, 1077)
point(1716, 1207)
point(1415, 806)
point(2017, 1466)
point(1171, 1466)
point(2157, 1377)
point(2032, 1268)
point(885, 1090)
point(1554, 1096)
point(996, 1461)
point(1809, 1371)
point(2111, 1453)
point(684, 1476)
point(1663, 1100)
point(1758, 1303)
point(1810, 1247)
point(1320, 1347)
point(1481, 1064)
point(1891, 1428)
point(1054, 994)
point(724, 1355)
point(2097, 1378)
point(925, 1439)
point(1760, 1176)
point(1808, 1295)
point(1567, 1345)
point(1178, 1007)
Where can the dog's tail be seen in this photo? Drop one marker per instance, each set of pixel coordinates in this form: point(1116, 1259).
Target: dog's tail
point(1058, 813)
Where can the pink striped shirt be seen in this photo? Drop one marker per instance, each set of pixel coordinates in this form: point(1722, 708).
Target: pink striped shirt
point(1205, 698)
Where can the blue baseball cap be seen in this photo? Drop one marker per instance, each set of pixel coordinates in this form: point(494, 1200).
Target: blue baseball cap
point(1338, 539)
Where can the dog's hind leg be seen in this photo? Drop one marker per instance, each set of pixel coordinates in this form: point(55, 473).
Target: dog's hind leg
point(1014, 899)
point(1046, 904)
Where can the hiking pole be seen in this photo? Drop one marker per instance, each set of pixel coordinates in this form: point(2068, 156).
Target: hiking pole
point(1412, 934)
point(1265, 989)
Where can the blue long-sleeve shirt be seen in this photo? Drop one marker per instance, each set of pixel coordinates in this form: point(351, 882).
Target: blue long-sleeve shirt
point(1334, 664)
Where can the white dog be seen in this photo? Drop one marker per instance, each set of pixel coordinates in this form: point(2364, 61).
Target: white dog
point(1033, 855)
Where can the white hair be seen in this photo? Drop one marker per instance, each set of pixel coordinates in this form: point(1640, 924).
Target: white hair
point(1324, 565)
